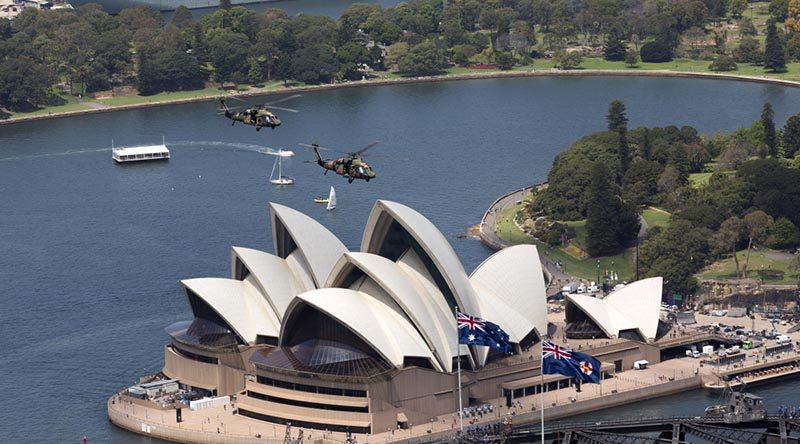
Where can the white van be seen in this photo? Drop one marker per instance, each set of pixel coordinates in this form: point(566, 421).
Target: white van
point(640, 365)
point(570, 288)
point(783, 339)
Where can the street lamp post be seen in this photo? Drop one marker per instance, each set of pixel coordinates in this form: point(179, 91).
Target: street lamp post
point(598, 271)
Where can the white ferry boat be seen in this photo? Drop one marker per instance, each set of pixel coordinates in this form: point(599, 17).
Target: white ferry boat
point(139, 153)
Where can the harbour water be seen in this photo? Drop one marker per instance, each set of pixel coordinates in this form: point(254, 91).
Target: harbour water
point(92, 251)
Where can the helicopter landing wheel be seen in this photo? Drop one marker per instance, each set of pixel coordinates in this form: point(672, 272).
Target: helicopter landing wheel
point(367, 180)
point(258, 128)
point(350, 180)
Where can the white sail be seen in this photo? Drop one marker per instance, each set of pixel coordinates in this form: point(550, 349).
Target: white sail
point(281, 179)
point(332, 199)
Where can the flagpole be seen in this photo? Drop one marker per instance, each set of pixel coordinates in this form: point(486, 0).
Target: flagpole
point(541, 387)
point(458, 360)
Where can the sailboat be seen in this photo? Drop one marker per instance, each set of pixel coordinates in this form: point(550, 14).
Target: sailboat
point(331, 200)
point(280, 179)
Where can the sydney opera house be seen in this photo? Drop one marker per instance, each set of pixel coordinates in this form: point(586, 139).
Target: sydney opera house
point(364, 341)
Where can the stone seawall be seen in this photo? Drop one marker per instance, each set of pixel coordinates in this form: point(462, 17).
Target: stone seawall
point(176, 434)
point(587, 406)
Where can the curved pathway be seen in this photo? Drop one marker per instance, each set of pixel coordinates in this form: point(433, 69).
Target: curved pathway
point(488, 235)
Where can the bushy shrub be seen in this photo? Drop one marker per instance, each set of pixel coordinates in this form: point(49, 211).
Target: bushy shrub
point(656, 52)
point(723, 63)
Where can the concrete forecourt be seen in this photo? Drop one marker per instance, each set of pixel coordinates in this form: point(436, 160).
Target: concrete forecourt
point(333, 345)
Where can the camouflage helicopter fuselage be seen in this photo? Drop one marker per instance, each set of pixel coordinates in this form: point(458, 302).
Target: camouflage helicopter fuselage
point(258, 117)
point(351, 167)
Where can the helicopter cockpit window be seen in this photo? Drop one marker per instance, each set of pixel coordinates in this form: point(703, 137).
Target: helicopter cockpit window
point(361, 170)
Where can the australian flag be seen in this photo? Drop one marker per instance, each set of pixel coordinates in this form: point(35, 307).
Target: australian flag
point(563, 361)
point(473, 330)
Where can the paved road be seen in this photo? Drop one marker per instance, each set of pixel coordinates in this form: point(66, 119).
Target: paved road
point(488, 234)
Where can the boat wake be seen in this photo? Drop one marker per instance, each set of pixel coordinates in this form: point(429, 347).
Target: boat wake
point(46, 155)
point(182, 143)
point(236, 146)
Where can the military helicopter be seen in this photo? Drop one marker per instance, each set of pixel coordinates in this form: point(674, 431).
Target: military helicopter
point(259, 116)
point(351, 166)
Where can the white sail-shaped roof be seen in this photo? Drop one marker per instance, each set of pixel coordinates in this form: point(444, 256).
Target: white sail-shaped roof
point(432, 241)
point(239, 303)
point(633, 307)
point(390, 334)
point(514, 275)
point(437, 329)
point(273, 276)
point(319, 247)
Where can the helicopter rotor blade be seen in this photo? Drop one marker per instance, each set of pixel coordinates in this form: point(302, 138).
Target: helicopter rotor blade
point(321, 148)
point(363, 150)
point(284, 99)
point(236, 98)
point(283, 109)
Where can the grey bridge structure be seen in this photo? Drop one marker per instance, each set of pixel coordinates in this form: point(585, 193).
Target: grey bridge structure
point(669, 430)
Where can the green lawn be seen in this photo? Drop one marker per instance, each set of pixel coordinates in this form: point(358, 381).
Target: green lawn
point(586, 269)
point(71, 105)
point(699, 180)
point(759, 262)
point(687, 65)
point(656, 217)
point(178, 95)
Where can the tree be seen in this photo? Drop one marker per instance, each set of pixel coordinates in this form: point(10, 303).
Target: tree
point(774, 58)
point(737, 7)
point(746, 27)
point(640, 183)
point(758, 224)
point(354, 16)
point(5, 29)
point(452, 27)
point(615, 49)
point(774, 187)
point(749, 51)
point(783, 234)
point(352, 57)
point(779, 9)
point(228, 51)
point(676, 254)
point(461, 54)
point(601, 229)
point(768, 123)
point(728, 237)
point(182, 18)
point(24, 83)
point(632, 57)
point(140, 17)
point(567, 59)
point(723, 63)
point(656, 52)
point(793, 15)
point(610, 222)
point(315, 64)
point(423, 59)
point(618, 123)
point(504, 60)
point(791, 136)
